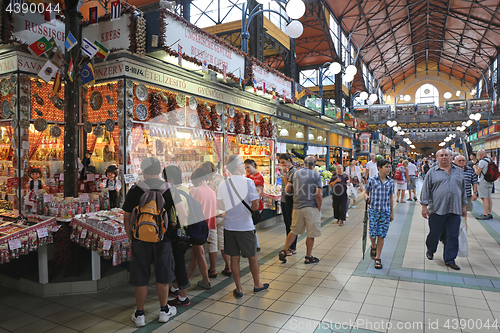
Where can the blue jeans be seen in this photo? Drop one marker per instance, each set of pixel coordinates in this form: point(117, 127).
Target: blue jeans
point(450, 224)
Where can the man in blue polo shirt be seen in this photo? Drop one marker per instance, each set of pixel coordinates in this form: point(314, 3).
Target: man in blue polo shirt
point(379, 191)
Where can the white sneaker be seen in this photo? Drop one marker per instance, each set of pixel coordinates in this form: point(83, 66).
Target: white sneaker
point(165, 316)
point(139, 321)
point(346, 214)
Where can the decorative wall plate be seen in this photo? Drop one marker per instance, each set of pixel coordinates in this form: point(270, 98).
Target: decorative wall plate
point(40, 124)
point(87, 127)
point(13, 123)
point(120, 84)
point(110, 101)
point(98, 131)
point(110, 125)
point(129, 124)
point(24, 123)
point(96, 100)
point(39, 84)
point(181, 100)
point(251, 128)
point(25, 111)
point(4, 87)
point(141, 111)
point(219, 108)
point(13, 80)
point(5, 108)
point(257, 130)
point(24, 101)
point(130, 84)
point(119, 104)
point(110, 114)
point(13, 101)
point(193, 103)
point(231, 126)
point(193, 120)
point(39, 113)
point(257, 118)
point(119, 113)
point(209, 123)
point(231, 112)
point(55, 131)
point(130, 113)
point(111, 87)
point(130, 104)
point(120, 122)
point(24, 79)
point(141, 92)
point(181, 117)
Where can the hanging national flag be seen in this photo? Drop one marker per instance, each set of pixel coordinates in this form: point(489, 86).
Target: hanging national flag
point(254, 85)
point(71, 70)
point(274, 94)
point(284, 96)
point(204, 68)
point(39, 47)
point(70, 41)
point(301, 94)
point(88, 48)
point(179, 54)
point(52, 45)
point(48, 71)
point(87, 74)
point(49, 12)
point(224, 74)
point(240, 78)
point(103, 51)
point(116, 8)
point(263, 87)
point(57, 84)
point(93, 15)
point(58, 57)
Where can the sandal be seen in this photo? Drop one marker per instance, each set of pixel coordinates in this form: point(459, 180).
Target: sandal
point(212, 274)
point(311, 260)
point(282, 256)
point(378, 263)
point(291, 252)
point(373, 252)
point(341, 223)
point(227, 272)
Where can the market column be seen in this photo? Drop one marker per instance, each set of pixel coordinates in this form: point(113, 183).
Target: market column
point(71, 107)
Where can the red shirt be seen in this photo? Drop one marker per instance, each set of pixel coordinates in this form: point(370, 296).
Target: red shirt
point(258, 180)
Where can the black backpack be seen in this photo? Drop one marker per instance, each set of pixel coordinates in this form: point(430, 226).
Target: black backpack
point(197, 226)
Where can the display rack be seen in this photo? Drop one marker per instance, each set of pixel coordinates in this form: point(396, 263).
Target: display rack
point(457, 106)
point(405, 109)
point(483, 105)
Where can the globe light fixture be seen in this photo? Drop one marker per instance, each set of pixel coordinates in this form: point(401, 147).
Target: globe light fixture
point(473, 92)
point(469, 122)
point(447, 95)
point(363, 95)
point(335, 68)
point(295, 9)
point(477, 116)
point(369, 102)
point(294, 29)
point(407, 98)
point(373, 98)
point(299, 135)
point(457, 93)
point(348, 78)
point(351, 70)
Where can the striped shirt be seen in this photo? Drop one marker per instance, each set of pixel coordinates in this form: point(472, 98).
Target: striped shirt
point(470, 179)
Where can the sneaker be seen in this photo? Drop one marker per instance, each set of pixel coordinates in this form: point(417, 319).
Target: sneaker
point(490, 217)
point(139, 320)
point(483, 217)
point(178, 302)
point(165, 316)
point(346, 214)
point(204, 285)
point(353, 207)
point(173, 293)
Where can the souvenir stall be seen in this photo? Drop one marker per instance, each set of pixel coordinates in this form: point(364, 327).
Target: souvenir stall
point(335, 149)
point(346, 150)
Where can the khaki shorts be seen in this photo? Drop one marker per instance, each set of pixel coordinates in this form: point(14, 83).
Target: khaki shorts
point(308, 218)
point(215, 239)
point(484, 189)
point(469, 204)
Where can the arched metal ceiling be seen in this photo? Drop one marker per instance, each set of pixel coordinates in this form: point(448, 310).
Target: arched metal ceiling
point(396, 38)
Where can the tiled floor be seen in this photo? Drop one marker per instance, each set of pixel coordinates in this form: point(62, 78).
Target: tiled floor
point(342, 293)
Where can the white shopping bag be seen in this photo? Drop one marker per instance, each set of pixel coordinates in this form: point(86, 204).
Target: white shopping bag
point(351, 192)
point(463, 246)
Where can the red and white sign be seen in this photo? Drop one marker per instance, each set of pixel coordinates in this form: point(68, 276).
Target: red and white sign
point(111, 34)
point(272, 80)
point(201, 46)
point(30, 27)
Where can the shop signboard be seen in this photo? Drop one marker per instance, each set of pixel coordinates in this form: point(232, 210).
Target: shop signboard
point(200, 46)
point(111, 34)
point(31, 26)
point(364, 139)
point(21, 61)
point(272, 80)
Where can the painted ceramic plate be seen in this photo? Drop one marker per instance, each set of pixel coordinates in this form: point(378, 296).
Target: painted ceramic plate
point(130, 84)
point(141, 92)
point(257, 118)
point(130, 113)
point(209, 123)
point(141, 111)
point(251, 129)
point(219, 108)
point(181, 100)
point(120, 84)
point(231, 126)
point(5, 109)
point(119, 104)
point(96, 100)
point(5, 87)
point(257, 130)
point(129, 124)
point(110, 114)
point(120, 122)
point(87, 127)
point(98, 131)
point(119, 113)
point(13, 80)
point(24, 101)
point(40, 124)
point(110, 125)
point(130, 104)
point(24, 79)
point(13, 123)
point(55, 131)
point(193, 103)
point(25, 111)
point(193, 120)
point(231, 112)
point(24, 123)
point(110, 101)
point(181, 117)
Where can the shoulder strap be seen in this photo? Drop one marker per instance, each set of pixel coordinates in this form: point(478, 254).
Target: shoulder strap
point(242, 201)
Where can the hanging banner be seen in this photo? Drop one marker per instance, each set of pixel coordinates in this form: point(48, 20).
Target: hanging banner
point(273, 81)
point(31, 26)
point(111, 34)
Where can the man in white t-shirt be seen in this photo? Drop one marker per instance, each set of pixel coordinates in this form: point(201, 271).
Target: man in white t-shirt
point(412, 179)
point(484, 187)
point(238, 196)
point(371, 168)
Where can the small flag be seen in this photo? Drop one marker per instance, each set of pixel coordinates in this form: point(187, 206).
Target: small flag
point(103, 51)
point(71, 70)
point(284, 95)
point(58, 57)
point(205, 66)
point(115, 10)
point(179, 54)
point(88, 48)
point(57, 84)
point(93, 15)
point(224, 74)
point(48, 71)
point(263, 87)
point(50, 47)
point(70, 41)
point(274, 94)
point(301, 94)
point(254, 85)
point(39, 47)
point(87, 74)
point(240, 78)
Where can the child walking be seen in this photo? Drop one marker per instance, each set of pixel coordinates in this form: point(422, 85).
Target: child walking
point(379, 191)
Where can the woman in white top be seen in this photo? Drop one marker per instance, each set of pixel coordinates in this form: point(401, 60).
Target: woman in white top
point(354, 173)
point(401, 184)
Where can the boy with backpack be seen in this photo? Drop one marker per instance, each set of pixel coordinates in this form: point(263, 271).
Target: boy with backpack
point(487, 171)
point(146, 223)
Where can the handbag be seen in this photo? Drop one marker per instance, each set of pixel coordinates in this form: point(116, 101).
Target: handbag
point(463, 246)
point(255, 214)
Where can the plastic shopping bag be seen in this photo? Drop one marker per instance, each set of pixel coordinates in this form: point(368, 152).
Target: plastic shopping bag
point(463, 246)
point(351, 192)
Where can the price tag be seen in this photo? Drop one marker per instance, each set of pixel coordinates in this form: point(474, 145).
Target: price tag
point(61, 176)
point(42, 232)
point(84, 233)
point(25, 145)
point(14, 244)
point(107, 245)
point(129, 178)
point(90, 177)
point(13, 182)
point(55, 228)
point(84, 197)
